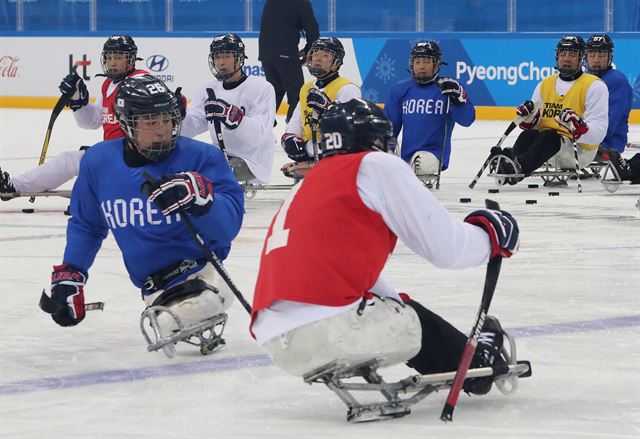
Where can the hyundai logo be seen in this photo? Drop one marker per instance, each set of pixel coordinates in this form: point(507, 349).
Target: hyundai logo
point(157, 63)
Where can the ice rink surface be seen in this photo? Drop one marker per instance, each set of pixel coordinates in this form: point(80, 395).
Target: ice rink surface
point(571, 297)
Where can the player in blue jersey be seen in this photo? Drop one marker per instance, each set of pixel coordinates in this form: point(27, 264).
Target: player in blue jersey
point(161, 257)
point(426, 107)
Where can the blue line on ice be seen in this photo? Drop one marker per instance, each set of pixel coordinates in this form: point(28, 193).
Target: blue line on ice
point(261, 360)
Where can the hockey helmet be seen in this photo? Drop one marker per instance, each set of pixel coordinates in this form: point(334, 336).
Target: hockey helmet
point(146, 98)
point(120, 45)
point(227, 44)
point(426, 49)
point(599, 43)
point(326, 44)
point(572, 43)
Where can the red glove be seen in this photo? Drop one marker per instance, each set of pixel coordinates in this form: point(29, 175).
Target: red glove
point(573, 122)
point(502, 228)
point(67, 291)
point(184, 192)
point(529, 113)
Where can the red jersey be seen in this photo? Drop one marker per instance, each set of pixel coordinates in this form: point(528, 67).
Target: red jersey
point(110, 123)
point(324, 246)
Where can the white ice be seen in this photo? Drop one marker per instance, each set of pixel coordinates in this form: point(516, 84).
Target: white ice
point(572, 297)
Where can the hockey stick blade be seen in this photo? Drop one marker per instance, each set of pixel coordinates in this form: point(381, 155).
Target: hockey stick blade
point(49, 306)
point(490, 282)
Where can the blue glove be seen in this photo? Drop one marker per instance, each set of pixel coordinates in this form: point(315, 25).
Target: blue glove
point(224, 112)
point(67, 291)
point(73, 86)
point(294, 146)
point(317, 100)
point(453, 90)
point(183, 192)
point(502, 229)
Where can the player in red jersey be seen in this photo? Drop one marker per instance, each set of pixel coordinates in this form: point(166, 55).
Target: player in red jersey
point(319, 296)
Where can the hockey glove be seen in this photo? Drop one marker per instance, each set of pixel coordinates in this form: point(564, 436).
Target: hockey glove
point(294, 146)
point(74, 87)
point(222, 111)
point(317, 100)
point(67, 291)
point(502, 229)
point(182, 103)
point(529, 113)
point(573, 122)
point(452, 89)
point(183, 192)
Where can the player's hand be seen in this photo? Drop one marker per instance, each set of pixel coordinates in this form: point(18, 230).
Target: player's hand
point(453, 90)
point(182, 103)
point(294, 146)
point(502, 229)
point(302, 56)
point(529, 114)
point(573, 122)
point(184, 192)
point(67, 291)
point(224, 112)
point(318, 100)
point(73, 86)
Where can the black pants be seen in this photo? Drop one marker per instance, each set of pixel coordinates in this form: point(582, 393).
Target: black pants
point(286, 77)
point(533, 148)
point(442, 344)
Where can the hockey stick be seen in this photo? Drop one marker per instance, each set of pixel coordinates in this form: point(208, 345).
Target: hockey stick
point(314, 134)
point(62, 102)
point(211, 257)
point(50, 307)
point(490, 281)
point(575, 153)
point(216, 125)
point(510, 128)
point(444, 139)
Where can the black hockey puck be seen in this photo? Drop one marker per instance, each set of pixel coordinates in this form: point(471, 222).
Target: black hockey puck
point(532, 186)
point(465, 200)
point(28, 210)
point(532, 201)
point(494, 191)
point(554, 194)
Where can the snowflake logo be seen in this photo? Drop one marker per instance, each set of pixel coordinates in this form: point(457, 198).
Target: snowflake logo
point(385, 68)
point(371, 94)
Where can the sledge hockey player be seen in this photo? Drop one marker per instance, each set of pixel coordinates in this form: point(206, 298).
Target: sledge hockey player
point(243, 105)
point(323, 61)
point(161, 257)
point(426, 108)
point(569, 104)
point(335, 306)
point(119, 55)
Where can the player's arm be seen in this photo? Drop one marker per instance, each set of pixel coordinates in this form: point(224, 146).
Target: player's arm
point(620, 99)
point(596, 114)
point(194, 122)
point(348, 92)
point(89, 116)
point(393, 110)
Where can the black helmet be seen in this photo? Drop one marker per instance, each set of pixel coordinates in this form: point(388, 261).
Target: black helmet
point(354, 126)
point(426, 49)
point(140, 98)
point(573, 43)
point(327, 44)
point(119, 44)
point(227, 43)
point(599, 43)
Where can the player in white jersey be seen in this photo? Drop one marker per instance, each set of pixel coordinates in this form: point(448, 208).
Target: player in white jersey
point(243, 107)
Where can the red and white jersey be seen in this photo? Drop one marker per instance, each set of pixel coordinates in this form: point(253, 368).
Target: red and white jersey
point(331, 238)
point(101, 113)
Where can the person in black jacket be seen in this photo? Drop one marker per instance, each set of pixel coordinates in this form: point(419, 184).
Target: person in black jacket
point(282, 22)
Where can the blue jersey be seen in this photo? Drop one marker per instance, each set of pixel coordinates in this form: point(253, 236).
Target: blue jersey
point(107, 196)
point(422, 112)
point(620, 98)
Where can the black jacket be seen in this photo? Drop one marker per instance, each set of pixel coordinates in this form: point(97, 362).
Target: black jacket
point(282, 22)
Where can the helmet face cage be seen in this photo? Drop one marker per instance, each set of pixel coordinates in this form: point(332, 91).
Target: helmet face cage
point(228, 44)
point(355, 126)
point(119, 45)
point(425, 49)
point(599, 43)
point(158, 150)
point(573, 44)
point(330, 45)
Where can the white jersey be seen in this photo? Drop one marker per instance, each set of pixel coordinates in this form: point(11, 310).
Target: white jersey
point(387, 185)
point(596, 114)
point(90, 116)
point(253, 140)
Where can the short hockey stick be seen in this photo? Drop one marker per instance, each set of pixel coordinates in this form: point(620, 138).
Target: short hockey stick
point(211, 257)
point(314, 135)
point(510, 128)
point(490, 281)
point(444, 139)
point(216, 125)
point(50, 307)
point(575, 154)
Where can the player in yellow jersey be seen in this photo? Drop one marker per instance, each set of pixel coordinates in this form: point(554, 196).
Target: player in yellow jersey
point(570, 105)
point(323, 61)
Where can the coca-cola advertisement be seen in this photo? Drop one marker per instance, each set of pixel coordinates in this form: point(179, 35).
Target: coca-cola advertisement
point(9, 66)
